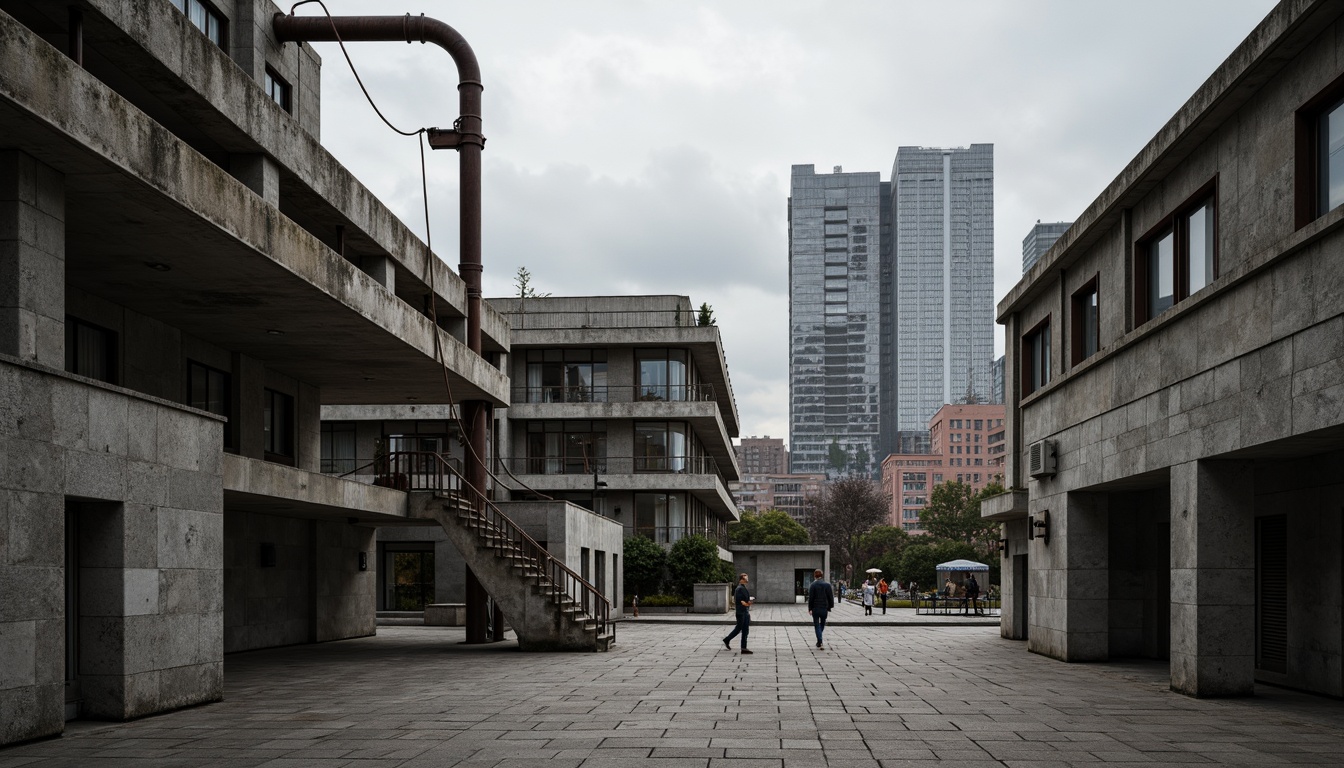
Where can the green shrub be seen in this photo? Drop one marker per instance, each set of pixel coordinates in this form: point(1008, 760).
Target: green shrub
point(662, 601)
point(693, 560)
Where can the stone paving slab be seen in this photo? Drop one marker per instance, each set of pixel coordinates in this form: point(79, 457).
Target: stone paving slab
point(669, 695)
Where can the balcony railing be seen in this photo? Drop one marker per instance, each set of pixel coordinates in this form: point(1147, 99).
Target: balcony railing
point(614, 394)
point(648, 318)
point(612, 465)
point(663, 534)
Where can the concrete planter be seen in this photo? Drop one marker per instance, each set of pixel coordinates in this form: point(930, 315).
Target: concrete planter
point(712, 598)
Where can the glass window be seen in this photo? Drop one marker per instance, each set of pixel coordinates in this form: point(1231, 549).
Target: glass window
point(1330, 173)
point(661, 446)
point(277, 89)
point(1161, 274)
point(1199, 256)
point(1036, 356)
point(1180, 258)
point(90, 350)
point(1086, 323)
point(205, 18)
point(568, 376)
point(338, 447)
point(566, 447)
point(278, 423)
point(208, 390)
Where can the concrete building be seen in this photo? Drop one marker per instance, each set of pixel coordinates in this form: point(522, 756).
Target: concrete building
point(837, 336)
point(996, 395)
point(942, 203)
point(762, 456)
point(188, 278)
point(1039, 240)
point(781, 573)
point(961, 440)
point(1176, 390)
point(622, 406)
point(786, 492)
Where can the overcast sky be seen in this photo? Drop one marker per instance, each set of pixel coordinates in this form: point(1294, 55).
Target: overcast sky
point(640, 147)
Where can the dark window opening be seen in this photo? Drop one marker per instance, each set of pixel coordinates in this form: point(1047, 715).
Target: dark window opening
point(208, 390)
point(90, 350)
point(1036, 358)
point(1177, 257)
point(205, 18)
point(1085, 322)
point(338, 447)
point(278, 90)
point(278, 424)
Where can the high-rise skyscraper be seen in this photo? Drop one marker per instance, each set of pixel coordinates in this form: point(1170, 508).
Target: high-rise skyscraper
point(942, 204)
point(835, 320)
point(1039, 240)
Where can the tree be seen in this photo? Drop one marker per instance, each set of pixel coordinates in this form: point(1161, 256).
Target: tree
point(837, 456)
point(881, 548)
point(769, 527)
point(847, 509)
point(645, 563)
point(693, 560)
point(524, 282)
point(706, 315)
point(953, 513)
point(919, 562)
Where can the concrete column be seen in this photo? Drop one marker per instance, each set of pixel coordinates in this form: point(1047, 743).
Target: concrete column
point(1213, 578)
point(32, 260)
point(382, 269)
point(308, 440)
point(1085, 534)
point(260, 173)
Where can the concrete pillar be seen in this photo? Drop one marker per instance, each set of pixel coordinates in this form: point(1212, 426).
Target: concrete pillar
point(1085, 534)
point(382, 269)
point(32, 260)
point(260, 173)
point(1213, 578)
point(308, 439)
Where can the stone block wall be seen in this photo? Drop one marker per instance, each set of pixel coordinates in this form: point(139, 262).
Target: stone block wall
point(140, 481)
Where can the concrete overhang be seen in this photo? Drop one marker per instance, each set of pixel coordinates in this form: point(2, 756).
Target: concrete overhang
point(1009, 505)
point(237, 269)
point(1271, 46)
point(253, 485)
point(707, 488)
point(705, 417)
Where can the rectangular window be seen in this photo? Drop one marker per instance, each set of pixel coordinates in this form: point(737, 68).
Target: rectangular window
point(1179, 256)
point(205, 18)
point(208, 390)
point(566, 447)
point(1036, 358)
point(278, 89)
point(90, 350)
point(566, 376)
point(278, 423)
point(338, 447)
point(663, 374)
point(1086, 326)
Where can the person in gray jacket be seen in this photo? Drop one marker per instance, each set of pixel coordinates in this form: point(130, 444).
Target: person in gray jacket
point(820, 600)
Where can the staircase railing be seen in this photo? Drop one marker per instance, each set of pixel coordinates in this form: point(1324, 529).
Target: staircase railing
point(551, 574)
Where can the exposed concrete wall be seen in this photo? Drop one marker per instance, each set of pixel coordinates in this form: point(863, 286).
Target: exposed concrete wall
point(1140, 574)
point(150, 552)
point(567, 531)
point(346, 599)
point(770, 569)
point(32, 260)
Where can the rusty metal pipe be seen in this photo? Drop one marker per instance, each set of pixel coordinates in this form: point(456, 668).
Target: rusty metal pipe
point(465, 137)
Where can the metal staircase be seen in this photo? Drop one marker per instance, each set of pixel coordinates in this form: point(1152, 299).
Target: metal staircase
point(549, 606)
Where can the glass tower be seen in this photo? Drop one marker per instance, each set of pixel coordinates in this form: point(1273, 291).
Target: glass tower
point(836, 330)
point(1039, 240)
point(942, 204)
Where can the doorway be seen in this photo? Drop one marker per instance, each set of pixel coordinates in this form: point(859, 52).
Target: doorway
point(408, 576)
point(802, 580)
point(73, 694)
point(1021, 598)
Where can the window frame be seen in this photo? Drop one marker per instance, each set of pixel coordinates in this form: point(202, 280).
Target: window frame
point(211, 14)
point(1307, 175)
point(111, 349)
point(271, 80)
point(1176, 224)
point(1029, 367)
point(283, 451)
point(226, 400)
point(1077, 322)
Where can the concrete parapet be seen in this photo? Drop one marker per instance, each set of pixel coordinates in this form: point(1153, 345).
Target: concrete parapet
point(712, 598)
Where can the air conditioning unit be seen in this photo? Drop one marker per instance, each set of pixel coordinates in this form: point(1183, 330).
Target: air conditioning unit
point(1041, 458)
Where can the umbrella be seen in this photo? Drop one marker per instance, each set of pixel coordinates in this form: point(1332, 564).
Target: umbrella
point(873, 570)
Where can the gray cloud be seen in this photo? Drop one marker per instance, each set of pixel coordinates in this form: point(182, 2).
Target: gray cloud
point(640, 147)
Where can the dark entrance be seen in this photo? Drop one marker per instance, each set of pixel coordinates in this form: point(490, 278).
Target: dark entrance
point(1021, 597)
point(408, 577)
point(802, 579)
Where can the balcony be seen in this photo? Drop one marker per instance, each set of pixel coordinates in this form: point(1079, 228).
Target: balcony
point(612, 465)
point(677, 393)
point(663, 534)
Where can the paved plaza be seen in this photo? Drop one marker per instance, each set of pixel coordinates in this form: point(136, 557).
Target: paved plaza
point(669, 695)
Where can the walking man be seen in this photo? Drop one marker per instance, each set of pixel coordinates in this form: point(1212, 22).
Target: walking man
point(882, 589)
point(742, 602)
point(972, 592)
point(820, 600)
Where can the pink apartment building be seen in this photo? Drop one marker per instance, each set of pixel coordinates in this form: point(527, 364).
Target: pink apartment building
point(965, 445)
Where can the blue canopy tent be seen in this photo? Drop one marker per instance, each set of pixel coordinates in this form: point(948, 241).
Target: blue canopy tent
point(958, 569)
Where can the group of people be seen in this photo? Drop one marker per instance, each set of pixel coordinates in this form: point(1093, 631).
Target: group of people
point(968, 593)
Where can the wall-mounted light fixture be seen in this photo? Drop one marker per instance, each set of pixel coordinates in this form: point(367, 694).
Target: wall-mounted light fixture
point(616, 511)
point(1003, 547)
point(363, 561)
point(1040, 526)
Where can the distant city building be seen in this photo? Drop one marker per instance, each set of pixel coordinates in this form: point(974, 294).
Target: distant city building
point(997, 377)
point(965, 445)
point(943, 223)
point(762, 456)
point(1039, 240)
point(783, 491)
point(835, 321)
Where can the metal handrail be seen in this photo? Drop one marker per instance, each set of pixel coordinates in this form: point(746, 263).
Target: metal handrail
point(613, 393)
point(508, 539)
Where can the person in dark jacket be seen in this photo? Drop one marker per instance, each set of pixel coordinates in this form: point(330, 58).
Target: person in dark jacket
point(973, 593)
point(820, 600)
point(742, 602)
